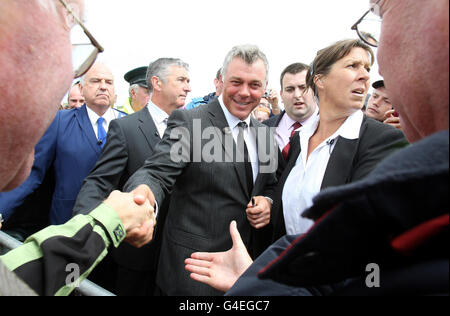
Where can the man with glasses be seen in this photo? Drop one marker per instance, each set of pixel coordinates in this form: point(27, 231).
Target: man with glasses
point(386, 234)
point(42, 262)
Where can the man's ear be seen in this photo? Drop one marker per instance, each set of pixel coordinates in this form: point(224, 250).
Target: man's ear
point(132, 93)
point(156, 83)
point(81, 86)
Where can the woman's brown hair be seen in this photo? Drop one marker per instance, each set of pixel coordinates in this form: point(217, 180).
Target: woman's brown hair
point(327, 57)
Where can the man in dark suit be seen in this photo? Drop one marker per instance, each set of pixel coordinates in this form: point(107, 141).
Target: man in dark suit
point(209, 186)
point(131, 141)
point(65, 154)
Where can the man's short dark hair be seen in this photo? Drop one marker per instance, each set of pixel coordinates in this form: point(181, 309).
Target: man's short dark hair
point(293, 70)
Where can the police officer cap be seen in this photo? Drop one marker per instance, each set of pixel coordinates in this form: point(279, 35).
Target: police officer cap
point(137, 76)
point(378, 84)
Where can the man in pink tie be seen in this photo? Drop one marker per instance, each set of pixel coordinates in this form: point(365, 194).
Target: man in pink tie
point(300, 106)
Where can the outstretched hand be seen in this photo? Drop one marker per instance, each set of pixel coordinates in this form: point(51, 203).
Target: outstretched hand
point(220, 270)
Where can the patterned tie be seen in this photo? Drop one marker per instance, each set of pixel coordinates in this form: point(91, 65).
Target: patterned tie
point(248, 165)
point(101, 132)
point(286, 148)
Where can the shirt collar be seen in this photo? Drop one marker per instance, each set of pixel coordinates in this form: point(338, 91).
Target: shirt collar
point(349, 130)
point(313, 118)
point(232, 120)
point(156, 113)
point(288, 122)
point(351, 127)
point(93, 117)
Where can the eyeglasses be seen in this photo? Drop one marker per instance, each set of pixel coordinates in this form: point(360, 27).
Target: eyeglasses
point(369, 25)
point(84, 53)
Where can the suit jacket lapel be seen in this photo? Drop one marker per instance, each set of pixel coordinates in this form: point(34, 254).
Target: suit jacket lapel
point(279, 118)
point(294, 152)
point(87, 129)
point(148, 127)
point(218, 120)
point(341, 162)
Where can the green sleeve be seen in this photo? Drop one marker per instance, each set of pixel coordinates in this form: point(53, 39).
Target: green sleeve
point(56, 259)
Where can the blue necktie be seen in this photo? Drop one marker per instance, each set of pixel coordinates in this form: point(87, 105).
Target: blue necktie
point(101, 132)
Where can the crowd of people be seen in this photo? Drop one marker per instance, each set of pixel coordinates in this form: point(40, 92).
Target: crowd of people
point(232, 193)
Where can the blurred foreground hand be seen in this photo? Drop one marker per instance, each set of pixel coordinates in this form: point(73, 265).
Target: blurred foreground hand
point(391, 118)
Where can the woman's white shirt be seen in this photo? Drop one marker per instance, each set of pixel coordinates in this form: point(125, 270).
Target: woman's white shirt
point(305, 179)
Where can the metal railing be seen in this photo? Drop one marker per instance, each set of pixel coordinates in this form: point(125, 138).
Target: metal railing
point(86, 288)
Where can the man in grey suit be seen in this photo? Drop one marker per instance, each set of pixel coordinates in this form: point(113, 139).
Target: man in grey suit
point(210, 182)
point(131, 141)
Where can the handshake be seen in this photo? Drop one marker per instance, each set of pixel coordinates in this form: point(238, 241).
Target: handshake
point(136, 212)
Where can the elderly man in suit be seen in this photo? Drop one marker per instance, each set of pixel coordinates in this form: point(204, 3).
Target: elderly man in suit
point(131, 141)
point(69, 149)
point(208, 191)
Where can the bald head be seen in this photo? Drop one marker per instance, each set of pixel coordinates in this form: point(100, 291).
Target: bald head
point(48, 59)
point(98, 88)
point(420, 98)
point(75, 98)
